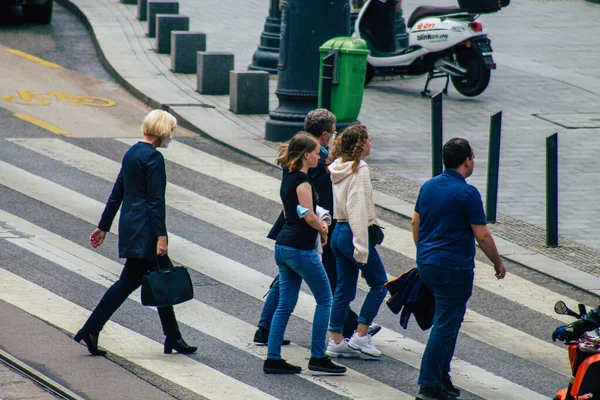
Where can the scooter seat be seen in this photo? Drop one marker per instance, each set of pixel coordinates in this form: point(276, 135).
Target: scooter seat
point(430, 11)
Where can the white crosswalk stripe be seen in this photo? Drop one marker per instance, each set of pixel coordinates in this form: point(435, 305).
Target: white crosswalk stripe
point(235, 332)
point(228, 329)
point(244, 279)
point(477, 326)
point(125, 343)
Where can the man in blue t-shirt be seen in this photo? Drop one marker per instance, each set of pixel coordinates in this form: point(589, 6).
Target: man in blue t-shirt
point(448, 218)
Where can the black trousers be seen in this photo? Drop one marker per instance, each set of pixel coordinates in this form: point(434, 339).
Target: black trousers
point(331, 269)
point(130, 280)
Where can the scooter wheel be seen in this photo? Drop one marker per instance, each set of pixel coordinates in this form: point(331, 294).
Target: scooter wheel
point(478, 75)
point(369, 74)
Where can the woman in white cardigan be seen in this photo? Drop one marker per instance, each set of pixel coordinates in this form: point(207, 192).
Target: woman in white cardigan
point(354, 211)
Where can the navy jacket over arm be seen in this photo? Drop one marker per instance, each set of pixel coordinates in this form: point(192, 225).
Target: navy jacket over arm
point(140, 192)
point(411, 296)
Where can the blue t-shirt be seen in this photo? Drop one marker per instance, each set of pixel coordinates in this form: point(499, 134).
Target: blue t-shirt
point(448, 206)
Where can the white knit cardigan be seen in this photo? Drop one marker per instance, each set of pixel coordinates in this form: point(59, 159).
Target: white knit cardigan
point(353, 203)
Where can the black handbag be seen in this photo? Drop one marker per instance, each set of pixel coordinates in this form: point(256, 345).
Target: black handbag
point(167, 285)
point(375, 235)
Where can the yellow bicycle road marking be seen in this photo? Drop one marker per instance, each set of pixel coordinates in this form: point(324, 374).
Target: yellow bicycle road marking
point(33, 58)
point(42, 124)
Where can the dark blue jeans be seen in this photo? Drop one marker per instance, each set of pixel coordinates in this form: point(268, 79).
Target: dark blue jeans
point(296, 265)
point(451, 290)
point(347, 274)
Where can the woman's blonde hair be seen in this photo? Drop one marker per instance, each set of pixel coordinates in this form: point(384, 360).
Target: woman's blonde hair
point(159, 123)
point(290, 154)
point(349, 145)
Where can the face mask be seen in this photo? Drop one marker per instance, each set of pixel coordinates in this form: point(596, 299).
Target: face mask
point(165, 143)
point(331, 139)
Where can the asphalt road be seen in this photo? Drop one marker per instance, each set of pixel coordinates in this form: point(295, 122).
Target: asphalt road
point(92, 128)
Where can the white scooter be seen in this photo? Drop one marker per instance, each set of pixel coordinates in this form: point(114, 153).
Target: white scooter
point(444, 42)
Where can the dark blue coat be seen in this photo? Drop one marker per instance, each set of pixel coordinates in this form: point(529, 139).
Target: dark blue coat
point(321, 181)
point(410, 295)
point(140, 192)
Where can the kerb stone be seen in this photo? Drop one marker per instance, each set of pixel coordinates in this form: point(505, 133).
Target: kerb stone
point(212, 74)
point(165, 24)
point(159, 7)
point(184, 47)
point(249, 92)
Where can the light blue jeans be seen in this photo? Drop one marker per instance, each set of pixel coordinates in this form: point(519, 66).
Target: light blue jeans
point(347, 277)
point(294, 266)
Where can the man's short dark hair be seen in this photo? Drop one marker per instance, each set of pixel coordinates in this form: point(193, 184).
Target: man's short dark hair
point(455, 152)
point(319, 121)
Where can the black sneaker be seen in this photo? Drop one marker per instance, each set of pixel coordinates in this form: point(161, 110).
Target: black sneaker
point(434, 393)
point(446, 383)
point(324, 364)
point(374, 330)
point(280, 367)
point(262, 337)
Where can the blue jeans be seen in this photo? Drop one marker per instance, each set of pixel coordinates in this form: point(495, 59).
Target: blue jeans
point(294, 266)
point(451, 290)
point(347, 277)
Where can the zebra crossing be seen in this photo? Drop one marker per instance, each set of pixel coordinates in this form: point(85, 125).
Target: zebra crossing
point(242, 276)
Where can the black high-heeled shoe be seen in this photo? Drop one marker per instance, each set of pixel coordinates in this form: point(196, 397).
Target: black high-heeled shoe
point(91, 341)
point(179, 346)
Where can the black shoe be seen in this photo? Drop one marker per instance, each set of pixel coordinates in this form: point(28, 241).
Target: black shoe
point(91, 341)
point(324, 364)
point(280, 367)
point(434, 393)
point(446, 383)
point(179, 346)
point(262, 336)
point(374, 330)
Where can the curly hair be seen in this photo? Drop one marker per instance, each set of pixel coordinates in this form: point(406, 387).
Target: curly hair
point(349, 145)
point(319, 121)
point(290, 154)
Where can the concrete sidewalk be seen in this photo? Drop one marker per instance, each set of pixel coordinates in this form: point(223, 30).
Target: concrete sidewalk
point(398, 168)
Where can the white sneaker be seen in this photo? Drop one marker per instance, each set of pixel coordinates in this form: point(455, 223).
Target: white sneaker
point(364, 345)
point(341, 350)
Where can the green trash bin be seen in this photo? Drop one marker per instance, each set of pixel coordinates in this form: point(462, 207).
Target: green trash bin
point(350, 55)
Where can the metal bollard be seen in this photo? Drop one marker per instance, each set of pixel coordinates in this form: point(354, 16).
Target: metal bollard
point(436, 135)
point(491, 198)
point(552, 190)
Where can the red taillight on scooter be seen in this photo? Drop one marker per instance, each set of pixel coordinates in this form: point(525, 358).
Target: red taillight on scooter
point(476, 26)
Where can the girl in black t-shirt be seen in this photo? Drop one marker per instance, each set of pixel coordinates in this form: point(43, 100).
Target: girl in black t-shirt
point(297, 258)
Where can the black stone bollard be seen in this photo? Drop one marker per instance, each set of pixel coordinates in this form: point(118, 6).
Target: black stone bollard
point(437, 135)
point(552, 190)
point(491, 198)
point(265, 58)
point(305, 26)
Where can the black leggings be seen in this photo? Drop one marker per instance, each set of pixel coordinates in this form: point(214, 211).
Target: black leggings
point(130, 280)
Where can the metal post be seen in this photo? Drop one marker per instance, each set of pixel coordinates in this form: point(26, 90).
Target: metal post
point(305, 26)
point(436, 135)
point(491, 198)
point(552, 190)
point(265, 58)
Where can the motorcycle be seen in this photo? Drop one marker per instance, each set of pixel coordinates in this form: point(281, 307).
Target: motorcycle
point(444, 42)
point(584, 356)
